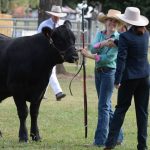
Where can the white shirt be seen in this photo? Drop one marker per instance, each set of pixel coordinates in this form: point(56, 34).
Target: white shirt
point(49, 23)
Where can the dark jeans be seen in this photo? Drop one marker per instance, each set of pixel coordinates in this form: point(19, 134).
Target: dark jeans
point(139, 88)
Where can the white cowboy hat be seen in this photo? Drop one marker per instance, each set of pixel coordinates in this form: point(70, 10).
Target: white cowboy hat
point(132, 16)
point(56, 11)
point(112, 14)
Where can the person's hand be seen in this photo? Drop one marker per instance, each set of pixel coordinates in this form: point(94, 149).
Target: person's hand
point(117, 86)
point(84, 52)
point(110, 43)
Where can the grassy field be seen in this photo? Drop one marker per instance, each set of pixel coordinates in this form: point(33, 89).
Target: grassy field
point(61, 123)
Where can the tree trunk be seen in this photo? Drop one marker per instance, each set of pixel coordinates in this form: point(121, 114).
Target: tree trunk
point(43, 6)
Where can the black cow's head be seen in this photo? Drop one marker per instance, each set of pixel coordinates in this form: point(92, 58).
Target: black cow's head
point(63, 40)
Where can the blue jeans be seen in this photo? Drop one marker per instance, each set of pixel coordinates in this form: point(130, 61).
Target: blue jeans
point(139, 88)
point(104, 81)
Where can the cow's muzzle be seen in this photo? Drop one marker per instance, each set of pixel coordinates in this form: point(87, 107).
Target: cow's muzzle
point(71, 55)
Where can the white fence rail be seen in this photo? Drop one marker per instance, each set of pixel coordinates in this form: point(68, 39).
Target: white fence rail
point(28, 26)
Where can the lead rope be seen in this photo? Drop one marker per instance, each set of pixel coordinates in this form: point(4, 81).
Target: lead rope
point(74, 77)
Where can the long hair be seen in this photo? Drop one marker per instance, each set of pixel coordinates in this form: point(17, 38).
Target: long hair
point(139, 30)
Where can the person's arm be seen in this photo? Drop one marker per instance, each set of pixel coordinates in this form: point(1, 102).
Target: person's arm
point(98, 43)
point(89, 55)
point(121, 59)
point(40, 28)
point(46, 23)
point(105, 58)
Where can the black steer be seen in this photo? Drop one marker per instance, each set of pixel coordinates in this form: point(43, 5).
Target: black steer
point(25, 67)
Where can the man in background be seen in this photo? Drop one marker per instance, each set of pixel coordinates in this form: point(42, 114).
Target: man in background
point(53, 22)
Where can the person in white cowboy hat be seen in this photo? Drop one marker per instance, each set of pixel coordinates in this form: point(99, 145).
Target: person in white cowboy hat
point(54, 21)
point(104, 54)
point(132, 77)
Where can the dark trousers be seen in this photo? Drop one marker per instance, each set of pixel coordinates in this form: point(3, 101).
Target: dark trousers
point(139, 89)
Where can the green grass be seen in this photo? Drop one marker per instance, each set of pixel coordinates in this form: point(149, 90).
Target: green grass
point(61, 123)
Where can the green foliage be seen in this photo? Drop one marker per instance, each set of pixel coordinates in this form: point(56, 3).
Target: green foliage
point(20, 2)
point(4, 6)
point(34, 3)
point(72, 4)
point(144, 6)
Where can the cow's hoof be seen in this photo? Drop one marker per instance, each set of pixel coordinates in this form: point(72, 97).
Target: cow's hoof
point(35, 137)
point(0, 134)
point(23, 139)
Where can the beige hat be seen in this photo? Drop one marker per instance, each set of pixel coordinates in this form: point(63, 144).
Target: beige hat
point(132, 16)
point(56, 11)
point(112, 14)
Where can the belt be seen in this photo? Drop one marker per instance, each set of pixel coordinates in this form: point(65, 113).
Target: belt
point(103, 69)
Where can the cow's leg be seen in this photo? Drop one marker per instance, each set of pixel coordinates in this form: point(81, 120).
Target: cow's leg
point(22, 110)
point(34, 111)
point(0, 134)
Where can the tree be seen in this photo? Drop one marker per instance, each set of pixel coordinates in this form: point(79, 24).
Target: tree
point(4, 6)
point(144, 6)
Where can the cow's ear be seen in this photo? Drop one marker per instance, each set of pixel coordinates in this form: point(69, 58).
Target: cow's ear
point(47, 31)
point(68, 24)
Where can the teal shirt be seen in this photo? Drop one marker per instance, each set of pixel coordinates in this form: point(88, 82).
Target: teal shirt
point(108, 55)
